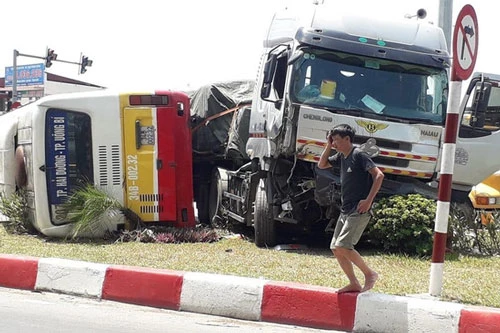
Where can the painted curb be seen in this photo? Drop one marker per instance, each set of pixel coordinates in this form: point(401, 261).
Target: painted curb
point(18, 272)
point(143, 286)
point(246, 298)
point(70, 277)
point(387, 313)
point(305, 305)
point(480, 319)
point(222, 295)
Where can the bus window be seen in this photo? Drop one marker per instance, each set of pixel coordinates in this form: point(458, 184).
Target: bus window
point(68, 154)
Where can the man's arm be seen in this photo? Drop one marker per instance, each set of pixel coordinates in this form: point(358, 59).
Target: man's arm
point(323, 162)
point(378, 178)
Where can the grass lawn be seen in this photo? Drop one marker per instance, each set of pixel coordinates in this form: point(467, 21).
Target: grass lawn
point(468, 280)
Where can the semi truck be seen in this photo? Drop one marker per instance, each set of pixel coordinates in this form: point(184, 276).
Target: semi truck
point(388, 79)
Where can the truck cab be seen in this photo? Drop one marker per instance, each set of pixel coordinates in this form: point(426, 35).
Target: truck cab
point(476, 155)
point(387, 79)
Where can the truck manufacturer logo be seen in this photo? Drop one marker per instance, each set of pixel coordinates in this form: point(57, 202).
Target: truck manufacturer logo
point(370, 126)
point(316, 117)
point(429, 133)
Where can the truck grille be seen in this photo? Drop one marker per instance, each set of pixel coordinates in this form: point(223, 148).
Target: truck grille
point(384, 143)
point(394, 162)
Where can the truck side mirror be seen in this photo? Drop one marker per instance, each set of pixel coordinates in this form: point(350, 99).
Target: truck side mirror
point(294, 57)
point(482, 97)
point(480, 104)
point(268, 75)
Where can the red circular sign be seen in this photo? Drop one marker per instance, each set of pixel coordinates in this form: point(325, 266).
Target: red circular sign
point(465, 44)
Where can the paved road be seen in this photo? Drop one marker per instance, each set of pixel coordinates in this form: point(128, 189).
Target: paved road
point(30, 312)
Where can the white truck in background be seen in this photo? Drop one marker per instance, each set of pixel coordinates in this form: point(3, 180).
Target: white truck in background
point(387, 79)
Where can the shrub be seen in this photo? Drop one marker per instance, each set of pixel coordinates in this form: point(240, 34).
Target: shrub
point(15, 208)
point(474, 231)
point(403, 224)
point(463, 228)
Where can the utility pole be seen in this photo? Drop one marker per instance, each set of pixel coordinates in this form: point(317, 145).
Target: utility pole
point(444, 20)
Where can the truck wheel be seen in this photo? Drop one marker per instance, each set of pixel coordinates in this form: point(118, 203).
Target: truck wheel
point(264, 225)
point(218, 184)
point(202, 203)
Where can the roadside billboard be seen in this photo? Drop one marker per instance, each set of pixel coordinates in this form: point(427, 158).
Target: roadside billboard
point(27, 75)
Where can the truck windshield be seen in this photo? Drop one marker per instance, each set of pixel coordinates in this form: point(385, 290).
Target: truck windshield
point(376, 87)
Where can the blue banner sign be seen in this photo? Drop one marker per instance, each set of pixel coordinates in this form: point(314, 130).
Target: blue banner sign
point(27, 75)
point(57, 161)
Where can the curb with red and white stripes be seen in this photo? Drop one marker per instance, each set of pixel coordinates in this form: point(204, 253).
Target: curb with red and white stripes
point(246, 298)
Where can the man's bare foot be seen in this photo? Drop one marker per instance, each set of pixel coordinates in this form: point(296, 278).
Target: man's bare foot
point(350, 288)
point(370, 281)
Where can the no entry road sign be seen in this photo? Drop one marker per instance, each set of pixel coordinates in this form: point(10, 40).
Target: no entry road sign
point(465, 44)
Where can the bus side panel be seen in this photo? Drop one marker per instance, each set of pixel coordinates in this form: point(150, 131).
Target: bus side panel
point(174, 142)
point(166, 163)
point(142, 192)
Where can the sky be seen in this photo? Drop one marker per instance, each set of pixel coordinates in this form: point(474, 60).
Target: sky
point(180, 45)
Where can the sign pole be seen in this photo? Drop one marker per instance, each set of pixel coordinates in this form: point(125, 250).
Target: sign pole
point(444, 190)
point(14, 77)
point(465, 45)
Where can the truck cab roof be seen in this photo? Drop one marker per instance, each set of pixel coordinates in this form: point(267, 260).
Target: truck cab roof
point(329, 20)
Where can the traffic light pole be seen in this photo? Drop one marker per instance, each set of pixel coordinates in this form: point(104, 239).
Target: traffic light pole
point(14, 67)
point(14, 70)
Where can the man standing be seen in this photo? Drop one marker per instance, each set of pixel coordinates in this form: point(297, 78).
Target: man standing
point(360, 181)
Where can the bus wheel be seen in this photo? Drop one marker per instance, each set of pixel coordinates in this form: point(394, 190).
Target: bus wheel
point(21, 175)
point(264, 224)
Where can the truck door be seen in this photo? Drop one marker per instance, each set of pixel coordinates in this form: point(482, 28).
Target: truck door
point(476, 155)
point(149, 177)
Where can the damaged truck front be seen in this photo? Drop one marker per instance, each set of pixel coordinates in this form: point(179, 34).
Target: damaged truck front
point(387, 79)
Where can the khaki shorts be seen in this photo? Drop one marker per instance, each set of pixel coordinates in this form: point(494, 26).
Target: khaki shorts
point(349, 229)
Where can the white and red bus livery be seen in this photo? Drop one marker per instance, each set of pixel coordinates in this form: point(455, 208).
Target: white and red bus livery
point(134, 146)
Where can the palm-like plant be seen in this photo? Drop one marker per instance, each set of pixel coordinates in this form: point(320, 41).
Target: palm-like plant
point(87, 208)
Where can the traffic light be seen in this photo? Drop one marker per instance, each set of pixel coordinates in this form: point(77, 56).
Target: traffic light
point(51, 56)
point(85, 62)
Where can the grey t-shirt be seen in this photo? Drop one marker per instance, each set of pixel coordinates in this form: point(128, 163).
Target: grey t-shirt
point(355, 180)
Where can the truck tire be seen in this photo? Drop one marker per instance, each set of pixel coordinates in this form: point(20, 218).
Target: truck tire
point(202, 203)
point(218, 184)
point(264, 224)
